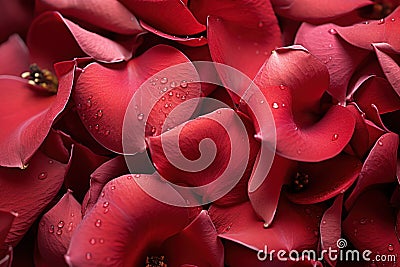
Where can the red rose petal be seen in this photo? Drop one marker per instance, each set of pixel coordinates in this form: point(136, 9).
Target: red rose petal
point(53, 38)
point(169, 16)
point(265, 198)
point(316, 11)
point(390, 67)
point(16, 17)
point(370, 225)
point(378, 31)
point(6, 220)
point(360, 140)
point(27, 116)
point(379, 167)
point(55, 230)
point(14, 56)
point(327, 179)
point(198, 245)
point(331, 227)
point(110, 15)
point(40, 181)
point(340, 58)
point(103, 94)
point(126, 224)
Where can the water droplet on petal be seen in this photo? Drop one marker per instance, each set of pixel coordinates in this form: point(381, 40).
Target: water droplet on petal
point(296, 128)
point(390, 247)
point(266, 225)
point(183, 97)
point(137, 175)
point(183, 84)
point(298, 151)
point(332, 31)
point(70, 226)
point(260, 24)
point(392, 19)
point(59, 232)
point(51, 229)
point(107, 132)
point(113, 187)
point(323, 222)
point(164, 80)
point(275, 105)
point(88, 256)
point(101, 241)
point(97, 223)
point(381, 21)
point(330, 45)
point(282, 87)
point(173, 84)
point(140, 116)
point(363, 221)
point(100, 113)
point(106, 204)
point(102, 194)
point(42, 175)
point(335, 137)
point(92, 241)
point(106, 210)
point(262, 102)
point(60, 224)
point(89, 103)
point(380, 143)
point(366, 22)
point(97, 127)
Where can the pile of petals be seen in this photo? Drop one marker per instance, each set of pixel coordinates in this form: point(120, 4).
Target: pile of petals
point(72, 195)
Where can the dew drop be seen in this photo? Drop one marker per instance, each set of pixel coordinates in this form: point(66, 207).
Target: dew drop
point(97, 223)
point(335, 137)
point(283, 105)
point(137, 175)
point(392, 19)
point(366, 22)
point(260, 24)
point(59, 232)
point(166, 105)
point(60, 224)
point(153, 129)
point(266, 225)
point(106, 204)
point(105, 211)
point(390, 247)
point(381, 21)
point(183, 84)
point(51, 229)
point(129, 177)
point(164, 80)
point(380, 143)
point(92, 241)
point(42, 175)
point(323, 222)
point(363, 221)
point(183, 97)
point(330, 45)
point(257, 52)
point(296, 128)
point(332, 31)
point(275, 105)
point(100, 113)
point(51, 162)
point(282, 87)
point(101, 241)
point(261, 101)
point(140, 116)
point(298, 151)
point(171, 93)
point(178, 95)
point(88, 256)
point(70, 226)
point(97, 127)
point(102, 194)
point(107, 132)
point(218, 111)
point(89, 103)
point(173, 84)
point(113, 187)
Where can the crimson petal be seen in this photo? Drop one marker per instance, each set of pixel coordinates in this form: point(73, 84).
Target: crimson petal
point(319, 11)
point(103, 94)
point(55, 230)
point(198, 245)
point(126, 224)
point(169, 16)
point(14, 56)
point(341, 58)
point(16, 17)
point(390, 67)
point(110, 15)
point(379, 167)
point(327, 179)
point(27, 116)
point(40, 181)
point(240, 34)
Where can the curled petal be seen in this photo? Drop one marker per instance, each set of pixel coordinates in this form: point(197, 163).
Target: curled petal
point(319, 11)
point(27, 116)
point(55, 230)
point(41, 181)
point(169, 16)
point(327, 179)
point(6, 221)
point(390, 67)
point(16, 17)
point(14, 56)
point(127, 224)
point(110, 15)
point(198, 244)
point(103, 94)
point(379, 167)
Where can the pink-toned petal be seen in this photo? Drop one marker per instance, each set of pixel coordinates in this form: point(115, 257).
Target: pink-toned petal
point(360, 140)
point(370, 225)
point(27, 115)
point(14, 56)
point(340, 58)
point(319, 11)
point(16, 17)
point(242, 39)
point(41, 181)
point(378, 31)
point(331, 227)
point(379, 167)
point(103, 94)
point(68, 41)
point(390, 67)
point(109, 15)
point(169, 16)
point(241, 225)
point(127, 224)
point(327, 179)
point(379, 92)
point(265, 198)
point(198, 245)
point(189, 41)
point(55, 231)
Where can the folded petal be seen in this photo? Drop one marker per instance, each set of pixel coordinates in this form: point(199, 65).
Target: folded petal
point(126, 224)
point(14, 56)
point(103, 94)
point(240, 34)
point(363, 35)
point(370, 225)
point(65, 40)
point(27, 115)
point(316, 11)
point(379, 167)
point(16, 17)
point(198, 245)
point(7, 218)
point(169, 16)
point(326, 179)
point(41, 181)
point(109, 15)
point(390, 67)
point(341, 58)
point(55, 230)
